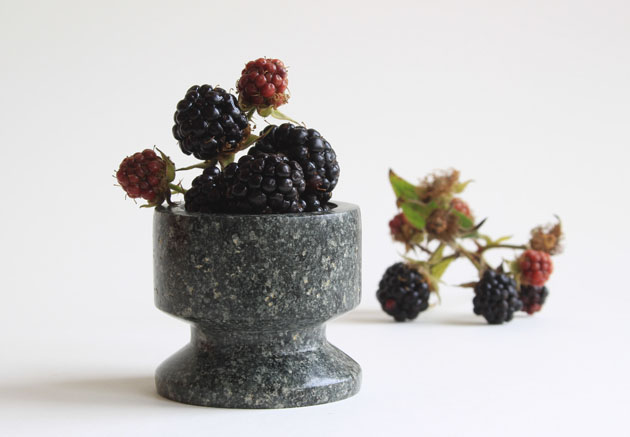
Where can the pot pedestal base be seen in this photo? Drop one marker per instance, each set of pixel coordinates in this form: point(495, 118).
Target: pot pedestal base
point(258, 370)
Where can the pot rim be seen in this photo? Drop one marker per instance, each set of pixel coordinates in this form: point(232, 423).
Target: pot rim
point(178, 209)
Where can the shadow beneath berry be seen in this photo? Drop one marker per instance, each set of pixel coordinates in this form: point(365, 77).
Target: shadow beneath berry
point(376, 316)
point(135, 391)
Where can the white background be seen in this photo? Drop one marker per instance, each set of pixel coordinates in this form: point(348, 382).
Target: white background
point(531, 99)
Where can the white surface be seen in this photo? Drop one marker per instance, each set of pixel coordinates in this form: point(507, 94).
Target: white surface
point(530, 99)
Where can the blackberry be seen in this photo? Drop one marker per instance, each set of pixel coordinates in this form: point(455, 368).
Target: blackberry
point(208, 121)
point(265, 183)
point(533, 298)
point(403, 292)
point(207, 193)
point(496, 298)
point(312, 152)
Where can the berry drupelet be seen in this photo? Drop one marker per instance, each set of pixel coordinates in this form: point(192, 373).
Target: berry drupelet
point(312, 152)
point(145, 175)
point(208, 122)
point(496, 297)
point(265, 183)
point(263, 83)
point(207, 193)
point(535, 267)
point(533, 298)
point(403, 292)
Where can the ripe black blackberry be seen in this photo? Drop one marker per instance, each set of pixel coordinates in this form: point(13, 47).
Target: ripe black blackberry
point(265, 183)
point(533, 298)
point(209, 122)
point(403, 292)
point(207, 193)
point(312, 152)
point(496, 297)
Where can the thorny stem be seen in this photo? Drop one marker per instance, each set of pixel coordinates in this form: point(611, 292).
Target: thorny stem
point(204, 165)
point(471, 257)
point(500, 246)
point(177, 188)
point(424, 249)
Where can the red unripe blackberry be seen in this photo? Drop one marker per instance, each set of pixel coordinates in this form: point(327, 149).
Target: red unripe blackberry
point(461, 206)
point(263, 83)
point(144, 175)
point(535, 267)
point(533, 298)
point(396, 224)
point(403, 292)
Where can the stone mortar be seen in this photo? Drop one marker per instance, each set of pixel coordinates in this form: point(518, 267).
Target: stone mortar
point(257, 290)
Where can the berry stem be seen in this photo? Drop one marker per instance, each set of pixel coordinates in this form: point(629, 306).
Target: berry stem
point(501, 246)
point(473, 258)
point(204, 165)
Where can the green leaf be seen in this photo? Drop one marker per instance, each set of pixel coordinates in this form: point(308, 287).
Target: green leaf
point(413, 215)
point(402, 189)
point(502, 239)
point(417, 212)
point(438, 269)
point(464, 221)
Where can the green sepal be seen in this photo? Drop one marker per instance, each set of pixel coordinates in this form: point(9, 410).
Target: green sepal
point(465, 222)
point(437, 255)
point(437, 271)
point(502, 239)
point(402, 189)
point(273, 112)
point(460, 187)
point(170, 166)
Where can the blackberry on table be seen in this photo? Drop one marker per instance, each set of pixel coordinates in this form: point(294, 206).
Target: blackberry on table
point(496, 297)
point(265, 183)
point(533, 298)
point(403, 292)
point(207, 193)
point(311, 151)
point(208, 121)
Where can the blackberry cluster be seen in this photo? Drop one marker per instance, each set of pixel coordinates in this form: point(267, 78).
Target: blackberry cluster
point(496, 297)
point(265, 183)
point(312, 152)
point(403, 292)
point(533, 298)
point(207, 193)
point(208, 121)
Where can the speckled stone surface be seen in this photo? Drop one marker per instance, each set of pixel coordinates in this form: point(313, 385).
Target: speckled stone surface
point(257, 290)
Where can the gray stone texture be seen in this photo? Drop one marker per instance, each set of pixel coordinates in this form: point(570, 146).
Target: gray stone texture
point(257, 290)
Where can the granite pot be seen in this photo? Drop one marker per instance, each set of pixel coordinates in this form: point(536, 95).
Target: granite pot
point(257, 290)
